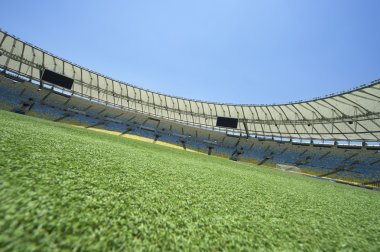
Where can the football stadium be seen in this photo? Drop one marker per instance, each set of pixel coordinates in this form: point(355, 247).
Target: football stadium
point(91, 163)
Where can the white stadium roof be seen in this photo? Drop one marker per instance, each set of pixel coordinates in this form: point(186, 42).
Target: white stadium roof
point(348, 116)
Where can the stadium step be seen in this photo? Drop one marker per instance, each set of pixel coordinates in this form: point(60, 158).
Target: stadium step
point(350, 157)
point(24, 107)
point(264, 161)
point(375, 162)
point(324, 155)
point(183, 142)
point(156, 137)
point(235, 155)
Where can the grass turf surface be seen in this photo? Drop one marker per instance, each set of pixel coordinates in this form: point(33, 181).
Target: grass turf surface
point(66, 188)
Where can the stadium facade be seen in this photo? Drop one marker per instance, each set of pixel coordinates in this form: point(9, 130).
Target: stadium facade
point(336, 136)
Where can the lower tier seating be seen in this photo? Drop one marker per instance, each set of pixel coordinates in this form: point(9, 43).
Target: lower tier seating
point(359, 165)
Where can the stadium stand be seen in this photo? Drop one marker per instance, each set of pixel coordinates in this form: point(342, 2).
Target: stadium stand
point(312, 135)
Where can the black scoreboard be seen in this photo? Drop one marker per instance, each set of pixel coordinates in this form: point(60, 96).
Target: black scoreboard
point(227, 122)
point(57, 79)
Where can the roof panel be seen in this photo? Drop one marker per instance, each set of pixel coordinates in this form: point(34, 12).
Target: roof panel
point(354, 113)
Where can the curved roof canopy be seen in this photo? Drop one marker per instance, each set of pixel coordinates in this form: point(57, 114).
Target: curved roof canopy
point(350, 115)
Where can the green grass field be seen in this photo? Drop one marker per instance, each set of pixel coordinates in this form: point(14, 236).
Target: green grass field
point(66, 188)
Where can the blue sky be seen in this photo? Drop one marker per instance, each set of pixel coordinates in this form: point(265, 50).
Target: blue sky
point(241, 51)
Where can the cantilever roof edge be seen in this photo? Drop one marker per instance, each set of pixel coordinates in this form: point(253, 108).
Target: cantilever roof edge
point(360, 87)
